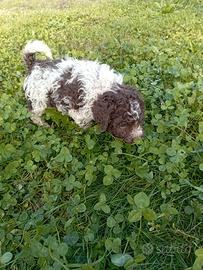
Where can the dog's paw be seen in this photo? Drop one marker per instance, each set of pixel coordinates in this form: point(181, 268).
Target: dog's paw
point(45, 124)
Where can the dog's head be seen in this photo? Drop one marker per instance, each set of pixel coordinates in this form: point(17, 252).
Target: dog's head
point(121, 112)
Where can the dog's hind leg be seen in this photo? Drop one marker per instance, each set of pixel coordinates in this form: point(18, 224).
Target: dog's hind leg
point(36, 115)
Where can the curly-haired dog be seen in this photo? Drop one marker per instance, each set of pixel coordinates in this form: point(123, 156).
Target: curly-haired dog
point(85, 90)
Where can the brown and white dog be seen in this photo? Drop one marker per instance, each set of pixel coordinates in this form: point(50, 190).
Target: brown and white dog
point(85, 90)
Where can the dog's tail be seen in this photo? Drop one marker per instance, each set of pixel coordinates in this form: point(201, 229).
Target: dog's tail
point(33, 47)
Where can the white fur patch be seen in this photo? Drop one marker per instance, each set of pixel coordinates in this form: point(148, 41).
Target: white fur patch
point(38, 85)
point(36, 46)
point(137, 132)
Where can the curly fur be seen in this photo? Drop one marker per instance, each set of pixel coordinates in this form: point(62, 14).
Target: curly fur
point(84, 90)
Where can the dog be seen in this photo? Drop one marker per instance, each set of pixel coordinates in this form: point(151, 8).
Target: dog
point(84, 90)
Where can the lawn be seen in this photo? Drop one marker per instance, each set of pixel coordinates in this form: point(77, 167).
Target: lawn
point(81, 199)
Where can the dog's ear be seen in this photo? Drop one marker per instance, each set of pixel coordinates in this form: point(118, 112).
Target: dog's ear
point(102, 109)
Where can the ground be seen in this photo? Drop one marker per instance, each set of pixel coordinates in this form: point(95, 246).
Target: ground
point(75, 199)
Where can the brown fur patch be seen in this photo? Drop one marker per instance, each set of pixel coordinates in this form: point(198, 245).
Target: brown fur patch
point(29, 61)
point(112, 110)
point(68, 95)
point(48, 63)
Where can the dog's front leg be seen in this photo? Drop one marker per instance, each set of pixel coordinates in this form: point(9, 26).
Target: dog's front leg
point(36, 119)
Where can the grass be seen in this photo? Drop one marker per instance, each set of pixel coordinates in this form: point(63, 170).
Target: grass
point(75, 199)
